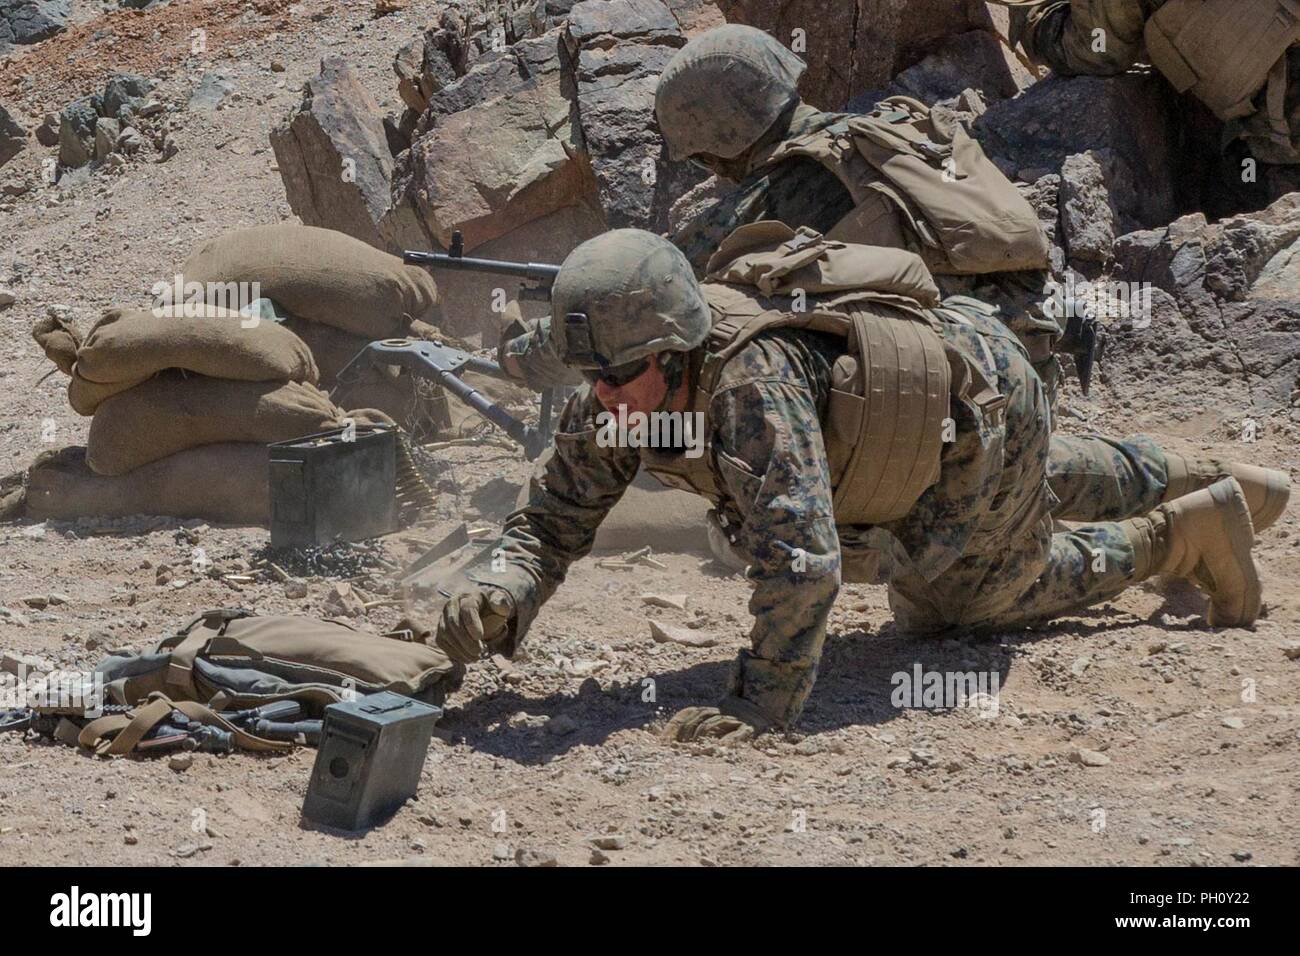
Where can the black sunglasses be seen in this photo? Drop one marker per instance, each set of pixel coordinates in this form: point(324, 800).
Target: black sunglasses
point(616, 376)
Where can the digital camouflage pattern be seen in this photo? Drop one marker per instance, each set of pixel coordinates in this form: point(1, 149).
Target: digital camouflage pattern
point(723, 90)
point(977, 550)
point(1063, 34)
point(605, 313)
point(1060, 33)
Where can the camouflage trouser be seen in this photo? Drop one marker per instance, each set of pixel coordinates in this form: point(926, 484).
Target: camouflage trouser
point(1095, 478)
point(1015, 571)
point(1084, 37)
point(1037, 576)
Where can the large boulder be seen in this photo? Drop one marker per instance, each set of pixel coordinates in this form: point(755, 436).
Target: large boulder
point(1127, 120)
point(333, 155)
point(975, 60)
point(30, 21)
point(618, 49)
point(494, 151)
point(1087, 215)
point(77, 132)
point(13, 138)
point(855, 45)
point(1224, 328)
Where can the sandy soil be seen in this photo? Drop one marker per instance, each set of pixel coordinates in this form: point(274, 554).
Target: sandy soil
point(562, 746)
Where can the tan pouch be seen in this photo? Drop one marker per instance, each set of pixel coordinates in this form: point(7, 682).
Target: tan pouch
point(971, 218)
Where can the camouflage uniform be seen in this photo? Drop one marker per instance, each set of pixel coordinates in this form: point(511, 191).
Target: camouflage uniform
point(1063, 34)
point(1060, 34)
point(977, 550)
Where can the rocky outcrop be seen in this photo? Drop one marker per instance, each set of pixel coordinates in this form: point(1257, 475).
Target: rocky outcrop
point(494, 151)
point(1127, 122)
point(13, 138)
point(30, 21)
point(855, 45)
point(618, 48)
point(1225, 308)
point(333, 155)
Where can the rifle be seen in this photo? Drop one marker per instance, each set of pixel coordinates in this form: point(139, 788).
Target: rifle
point(444, 364)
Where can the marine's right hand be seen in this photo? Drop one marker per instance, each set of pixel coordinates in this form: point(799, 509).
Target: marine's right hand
point(473, 618)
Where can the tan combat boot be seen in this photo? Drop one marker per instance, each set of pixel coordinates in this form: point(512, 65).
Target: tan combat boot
point(1267, 490)
point(1205, 536)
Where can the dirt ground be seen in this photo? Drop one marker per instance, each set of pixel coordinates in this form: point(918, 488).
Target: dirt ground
point(1199, 728)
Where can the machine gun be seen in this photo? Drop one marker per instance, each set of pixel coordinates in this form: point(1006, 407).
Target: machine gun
point(540, 273)
point(444, 365)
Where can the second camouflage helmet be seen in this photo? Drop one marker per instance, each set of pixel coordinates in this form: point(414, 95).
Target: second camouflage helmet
point(723, 90)
point(623, 295)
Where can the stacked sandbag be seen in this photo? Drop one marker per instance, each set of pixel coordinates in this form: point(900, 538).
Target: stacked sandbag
point(173, 411)
point(337, 294)
point(183, 407)
point(129, 346)
point(321, 276)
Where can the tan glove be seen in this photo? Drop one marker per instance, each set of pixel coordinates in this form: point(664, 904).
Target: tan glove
point(473, 618)
point(735, 721)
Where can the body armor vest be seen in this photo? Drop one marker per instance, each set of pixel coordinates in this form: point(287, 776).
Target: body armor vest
point(891, 389)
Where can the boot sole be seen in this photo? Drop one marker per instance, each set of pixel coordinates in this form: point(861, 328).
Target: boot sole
point(1239, 535)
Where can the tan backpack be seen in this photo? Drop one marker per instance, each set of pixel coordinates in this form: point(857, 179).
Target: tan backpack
point(1225, 51)
point(899, 162)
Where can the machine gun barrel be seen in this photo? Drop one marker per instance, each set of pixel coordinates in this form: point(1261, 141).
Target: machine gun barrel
point(542, 273)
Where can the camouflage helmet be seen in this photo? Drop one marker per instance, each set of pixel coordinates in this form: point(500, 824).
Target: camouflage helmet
point(623, 295)
point(723, 90)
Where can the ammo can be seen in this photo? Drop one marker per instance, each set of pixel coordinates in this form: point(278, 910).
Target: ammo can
point(371, 753)
point(338, 485)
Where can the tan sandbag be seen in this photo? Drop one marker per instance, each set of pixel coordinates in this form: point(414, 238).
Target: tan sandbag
point(320, 275)
point(227, 483)
point(333, 349)
point(173, 411)
point(59, 340)
point(128, 346)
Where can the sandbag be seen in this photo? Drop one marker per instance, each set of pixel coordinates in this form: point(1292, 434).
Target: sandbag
point(59, 340)
point(320, 275)
point(128, 346)
point(173, 411)
point(226, 484)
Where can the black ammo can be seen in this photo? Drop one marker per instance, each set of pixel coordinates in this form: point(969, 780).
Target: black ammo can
point(325, 488)
point(371, 753)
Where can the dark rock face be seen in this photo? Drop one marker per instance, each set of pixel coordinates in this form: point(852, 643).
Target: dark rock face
point(30, 21)
point(1125, 120)
point(1225, 311)
point(853, 45)
point(334, 155)
point(618, 48)
point(13, 138)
